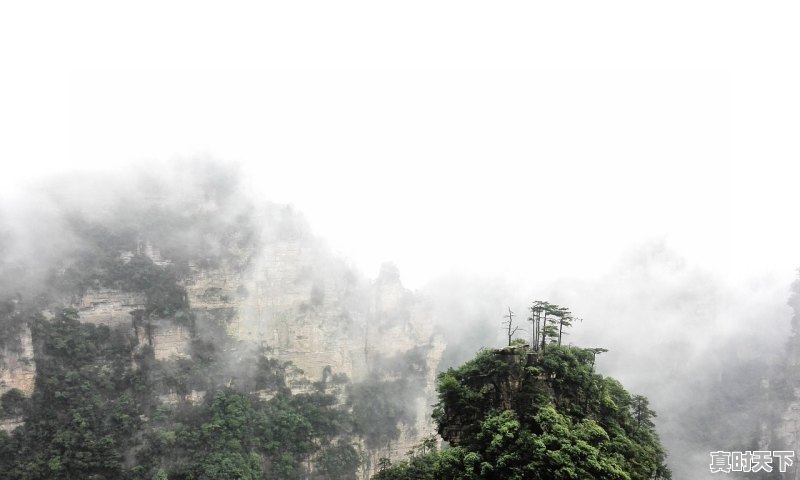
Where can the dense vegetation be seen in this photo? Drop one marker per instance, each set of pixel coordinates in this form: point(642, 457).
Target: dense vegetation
point(104, 406)
point(95, 414)
point(518, 413)
point(11, 322)
point(382, 402)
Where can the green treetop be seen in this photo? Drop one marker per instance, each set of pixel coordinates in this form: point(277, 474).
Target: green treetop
point(526, 413)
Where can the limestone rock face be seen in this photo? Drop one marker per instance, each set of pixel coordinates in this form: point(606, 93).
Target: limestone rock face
point(778, 419)
point(17, 365)
point(787, 431)
point(167, 339)
point(290, 295)
point(108, 307)
point(313, 310)
point(782, 430)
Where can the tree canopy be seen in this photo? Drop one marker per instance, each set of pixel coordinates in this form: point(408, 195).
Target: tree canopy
point(522, 413)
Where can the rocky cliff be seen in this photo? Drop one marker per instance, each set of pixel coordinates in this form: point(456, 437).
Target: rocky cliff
point(17, 365)
point(285, 293)
point(779, 422)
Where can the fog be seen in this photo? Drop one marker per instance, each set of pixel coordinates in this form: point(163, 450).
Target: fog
point(676, 332)
point(698, 345)
point(637, 164)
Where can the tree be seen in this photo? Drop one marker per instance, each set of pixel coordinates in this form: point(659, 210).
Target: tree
point(565, 319)
point(383, 464)
point(544, 417)
point(12, 403)
point(595, 352)
point(549, 329)
point(548, 321)
point(427, 445)
point(538, 316)
point(81, 416)
point(511, 329)
point(543, 316)
point(339, 461)
point(642, 415)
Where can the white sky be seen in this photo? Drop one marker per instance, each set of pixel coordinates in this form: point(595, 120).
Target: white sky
point(479, 137)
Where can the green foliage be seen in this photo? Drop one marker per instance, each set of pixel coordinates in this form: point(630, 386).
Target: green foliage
point(98, 263)
point(339, 461)
point(12, 403)
point(96, 414)
point(116, 250)
point(82, 414)
point(243, 436)
point(220, 446)
point(11, 323)
point(378, 409)
point(518, 413)
point(104, 407)
point(228, 466)
point(548, 322)
point(163, 293)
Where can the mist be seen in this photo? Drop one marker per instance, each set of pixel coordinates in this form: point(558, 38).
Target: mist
point(698, 344)
point(209, 295)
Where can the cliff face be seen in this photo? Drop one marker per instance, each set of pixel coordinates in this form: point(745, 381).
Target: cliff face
point(774, 405)
point(17, 365)
point(781, 429)
point(17, 370)
point(313, 310)
point(290, 296)
point(208, 283)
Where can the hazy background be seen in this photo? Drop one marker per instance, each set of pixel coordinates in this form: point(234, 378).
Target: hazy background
point(636, 162)
point(445, 135)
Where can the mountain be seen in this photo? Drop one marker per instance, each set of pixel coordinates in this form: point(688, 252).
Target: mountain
point(205, 292)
